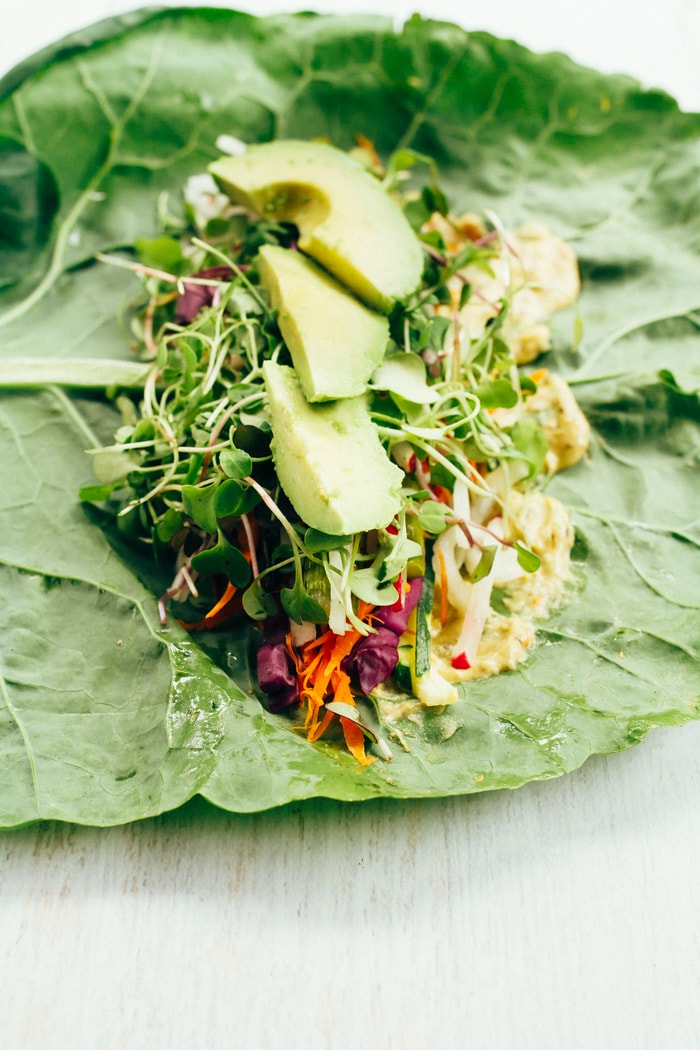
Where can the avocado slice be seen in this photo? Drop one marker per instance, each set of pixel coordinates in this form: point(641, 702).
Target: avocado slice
point(329, 459)
point(336, 342)
point(346, 220)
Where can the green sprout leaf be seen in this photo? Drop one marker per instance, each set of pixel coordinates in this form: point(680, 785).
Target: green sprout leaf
point(433, 516)
point(232, 499)
point(527, 559)
point(316, 542)
point(161, 253)
point(485, 563)
point(300, 606)
point(235, 463)
point(405, 375)
point(199, 504)
point(497, 393)
point(366, 585)
point(257, 603)
point(223, 559)
point(171, 522)
point(530, 442)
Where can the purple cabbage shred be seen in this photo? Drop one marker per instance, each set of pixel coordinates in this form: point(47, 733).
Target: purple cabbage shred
point(371, 661)
point(196, 296)
point(396, 618)
point(375, 656)
point(275, 668)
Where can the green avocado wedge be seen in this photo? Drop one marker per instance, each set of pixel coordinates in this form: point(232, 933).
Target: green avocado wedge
point(329, 459)
point(347, 222)
point(336, 342)
point(114, 718)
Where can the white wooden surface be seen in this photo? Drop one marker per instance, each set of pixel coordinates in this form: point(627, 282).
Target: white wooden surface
point(563, 916)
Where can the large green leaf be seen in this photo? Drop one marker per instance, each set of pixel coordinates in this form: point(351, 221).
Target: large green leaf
point(106, 716)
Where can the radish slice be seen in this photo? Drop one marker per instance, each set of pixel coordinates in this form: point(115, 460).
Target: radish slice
point(465, 650)
point(454, 546)
point(461, 501)
point(302, 632)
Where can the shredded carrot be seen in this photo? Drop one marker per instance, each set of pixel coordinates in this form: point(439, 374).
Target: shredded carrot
point(321, 678)
point(326, 664)
point(444, 604)
point(226, 606)
point(223, 609)
point(355, 740)
point(538, 375)
point(442, 494)
point(318, 730)
point(293, 655)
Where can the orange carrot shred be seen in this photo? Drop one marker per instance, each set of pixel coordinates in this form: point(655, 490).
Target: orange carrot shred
point(219, 613)
point(442, 494)
point(355, 740)
point(293, 655)
point(320, 727)
point(222, 610)
point(322, 678)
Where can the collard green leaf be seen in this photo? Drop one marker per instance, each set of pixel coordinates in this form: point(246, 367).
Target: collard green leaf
point(27, 207)
point(106, 716)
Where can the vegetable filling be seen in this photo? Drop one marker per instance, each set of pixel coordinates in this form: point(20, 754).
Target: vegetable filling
point(394, 534)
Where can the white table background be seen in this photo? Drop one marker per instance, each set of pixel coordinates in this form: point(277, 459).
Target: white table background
point(563, 916)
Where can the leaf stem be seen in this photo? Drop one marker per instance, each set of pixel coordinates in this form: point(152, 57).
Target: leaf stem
point(83, 373)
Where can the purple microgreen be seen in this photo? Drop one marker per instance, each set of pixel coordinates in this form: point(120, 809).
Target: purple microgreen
point(197, 294)
point(238, 272)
